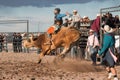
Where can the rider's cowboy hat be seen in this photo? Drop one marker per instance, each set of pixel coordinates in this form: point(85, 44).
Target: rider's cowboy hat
point(108, 29)
point(85, 17)
point(91, 30)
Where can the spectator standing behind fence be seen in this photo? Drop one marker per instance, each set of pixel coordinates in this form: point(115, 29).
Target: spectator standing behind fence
point(1, 42)
point(109, 20)
point(5, 46)
point(14, 42)
point(117, 21)
point(85, 20)
point(107, 51)
point(66, 23)
point(19, 42)
point(92, 46)
point(96, 25)
point(75, 19)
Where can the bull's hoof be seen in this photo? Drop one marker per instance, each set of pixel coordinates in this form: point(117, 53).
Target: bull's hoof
point(39, 61)
point(59, 59)
point(61, 55)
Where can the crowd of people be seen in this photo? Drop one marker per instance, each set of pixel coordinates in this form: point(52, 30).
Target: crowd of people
point(17, 42)
point(2, 42)
point(109, 26)
point(75, 20)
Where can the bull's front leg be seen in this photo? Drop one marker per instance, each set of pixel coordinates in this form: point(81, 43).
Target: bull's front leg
point(63, 53)
point(40, 57)
point(43, 53)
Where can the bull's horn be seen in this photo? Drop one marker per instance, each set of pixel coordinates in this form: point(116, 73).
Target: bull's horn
point(31, 35)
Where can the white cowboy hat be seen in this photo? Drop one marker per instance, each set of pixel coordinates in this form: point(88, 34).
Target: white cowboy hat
point(85, 17)
point(69, 19)
point(108, 29)
point(98, 14)
point(74, 10)
point(91, 30)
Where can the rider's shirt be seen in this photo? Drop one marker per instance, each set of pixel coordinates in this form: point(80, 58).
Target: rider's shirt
point(59, 17)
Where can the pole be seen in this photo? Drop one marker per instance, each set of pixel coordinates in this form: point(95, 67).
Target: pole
point(27, 26)
point(101, 33)
point(27, 34)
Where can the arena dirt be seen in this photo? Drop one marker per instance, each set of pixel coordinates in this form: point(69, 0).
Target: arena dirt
point(23, 66)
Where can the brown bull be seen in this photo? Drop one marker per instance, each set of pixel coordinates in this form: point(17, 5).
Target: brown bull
point(66, 37)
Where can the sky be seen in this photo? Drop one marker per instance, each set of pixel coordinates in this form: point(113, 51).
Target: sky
point(40, 12)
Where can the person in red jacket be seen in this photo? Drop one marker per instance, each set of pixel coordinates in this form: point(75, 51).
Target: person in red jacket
point(96, 25)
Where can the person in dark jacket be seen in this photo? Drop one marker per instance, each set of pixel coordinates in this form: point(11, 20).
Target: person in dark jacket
point(1, 42)
point(110, 20)
point(96, 25)
point(117, 21)
point(14, 42)
point(107, 51)
point(19, 42)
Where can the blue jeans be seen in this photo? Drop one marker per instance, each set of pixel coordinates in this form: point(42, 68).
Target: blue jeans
point(93, 55)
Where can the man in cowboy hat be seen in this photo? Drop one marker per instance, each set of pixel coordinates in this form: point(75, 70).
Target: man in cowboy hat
point(75, 19)
point(92, 46)
point(107, 50)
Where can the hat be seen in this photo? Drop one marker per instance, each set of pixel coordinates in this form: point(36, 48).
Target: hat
point(85, 17)
point(74, 10)
point(98, 14)
point(91, 30)
point(108, 29)
point(69, 19)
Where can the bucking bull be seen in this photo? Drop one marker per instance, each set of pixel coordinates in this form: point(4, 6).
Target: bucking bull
point(66, 38)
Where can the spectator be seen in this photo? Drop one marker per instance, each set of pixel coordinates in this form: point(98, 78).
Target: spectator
point(96, 25)
point(86, 20)
point(66, 23)
point(92, 46)
point(109, 20)
point(70, 21)
point(1, 42)
point(109, 59)
point(5, 41)
point(14, 42)
point(75, 19)
point(117, 21)
point(19, 42)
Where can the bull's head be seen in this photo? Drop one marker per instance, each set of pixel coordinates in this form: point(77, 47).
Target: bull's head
point(29, 42)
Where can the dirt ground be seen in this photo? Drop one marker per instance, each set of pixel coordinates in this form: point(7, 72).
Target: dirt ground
point(23, 66)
